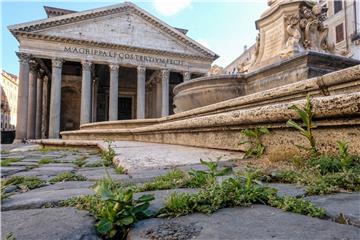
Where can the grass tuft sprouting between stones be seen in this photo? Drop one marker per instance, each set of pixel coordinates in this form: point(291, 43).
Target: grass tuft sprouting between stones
point(23, 183)
point(67, 176)
point(47, 161)
point(6, 162)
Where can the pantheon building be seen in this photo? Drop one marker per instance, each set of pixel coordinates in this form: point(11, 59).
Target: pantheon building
point(105, 64)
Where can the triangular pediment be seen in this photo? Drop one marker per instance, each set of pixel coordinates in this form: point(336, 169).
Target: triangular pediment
point(124, 24)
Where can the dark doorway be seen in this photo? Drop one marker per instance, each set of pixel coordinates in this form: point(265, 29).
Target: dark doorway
point(124, 108)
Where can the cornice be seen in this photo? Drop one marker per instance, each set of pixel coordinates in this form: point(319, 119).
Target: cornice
point(81, 16)
point(30, 35)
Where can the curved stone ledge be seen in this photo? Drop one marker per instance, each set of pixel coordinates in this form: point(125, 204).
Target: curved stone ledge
point(290, 74)
point(120, 124)
point(344, 81)
point(336, 118)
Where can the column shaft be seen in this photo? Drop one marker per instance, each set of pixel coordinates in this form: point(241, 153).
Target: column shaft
point(38, 117)
point(140, 110)
point(165, 92)
point(158, 94)
point(85, 113)
point(113, 92)
point(44, 114)
point(31, 117)
point(23, 93)
point(55, 99)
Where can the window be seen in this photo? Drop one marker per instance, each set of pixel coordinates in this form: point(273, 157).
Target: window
point(337, 6)
point(339, 31)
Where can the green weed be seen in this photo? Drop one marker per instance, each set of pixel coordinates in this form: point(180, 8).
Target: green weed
point(67, 176)
point(24, 183)
point(118, 210)
point(173, 179)
point(200, 178)
point(6, 162)
point(108, 155)
point(256, 148)
point(120, 170)
point(47, 161)
point(306, 115)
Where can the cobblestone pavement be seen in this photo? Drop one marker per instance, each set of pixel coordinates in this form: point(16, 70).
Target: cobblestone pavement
point(26, 213)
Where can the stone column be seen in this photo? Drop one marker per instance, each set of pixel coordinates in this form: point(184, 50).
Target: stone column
point(158, 98)
point(44, 114)
point(31, 117)
point(23, 93)
point(140, 109)
point(113, 92)
point(85, 112)
point(186, 76)
point(38, 118)
point(94, 99)
point(55, 98)
point(165, 92)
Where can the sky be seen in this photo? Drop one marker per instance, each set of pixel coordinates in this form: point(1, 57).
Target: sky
point(224, 27)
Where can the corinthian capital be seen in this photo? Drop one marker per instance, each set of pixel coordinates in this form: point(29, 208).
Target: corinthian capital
point(57, 62)
point(114, 67)
point(165, 73)
point(187, 76)
point(23, 57)
point(141, 70)
point(33, 65)
point(86, 65)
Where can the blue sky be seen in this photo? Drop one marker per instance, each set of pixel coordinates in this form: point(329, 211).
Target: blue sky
point(223, 26)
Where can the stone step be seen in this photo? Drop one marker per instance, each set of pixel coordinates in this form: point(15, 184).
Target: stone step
point(222, 130)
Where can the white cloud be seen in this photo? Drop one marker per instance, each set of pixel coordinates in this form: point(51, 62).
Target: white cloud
point(170, 7)
point(203, 42)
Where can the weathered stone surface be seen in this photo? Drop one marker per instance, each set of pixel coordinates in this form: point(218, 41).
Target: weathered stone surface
point(221, 131)
point(288, 189)
point(45, 172)
point(10, 188)
point(65, 186)
point(257, 222)
point(6, 171)
point(45, 195)
point(23, 163)
point(137, 156)
point(48, 223)
point(161, 196)
point(347, 204)
point(95, 174)
point(25, 148)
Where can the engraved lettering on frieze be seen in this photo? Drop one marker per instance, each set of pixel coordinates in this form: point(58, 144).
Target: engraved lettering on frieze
point(124, 56)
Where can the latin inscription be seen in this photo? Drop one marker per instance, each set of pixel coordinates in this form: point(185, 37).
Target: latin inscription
point(124, 56)
point(273, 40)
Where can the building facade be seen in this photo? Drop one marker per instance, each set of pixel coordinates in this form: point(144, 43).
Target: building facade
point(9, 94)
point(343, 21)
point(105, 64)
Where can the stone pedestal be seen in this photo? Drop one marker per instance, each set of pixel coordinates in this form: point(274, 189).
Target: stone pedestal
point(55, 98)
point(23, 93)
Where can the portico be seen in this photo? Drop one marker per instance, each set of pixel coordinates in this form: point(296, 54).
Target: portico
point(69, 76)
